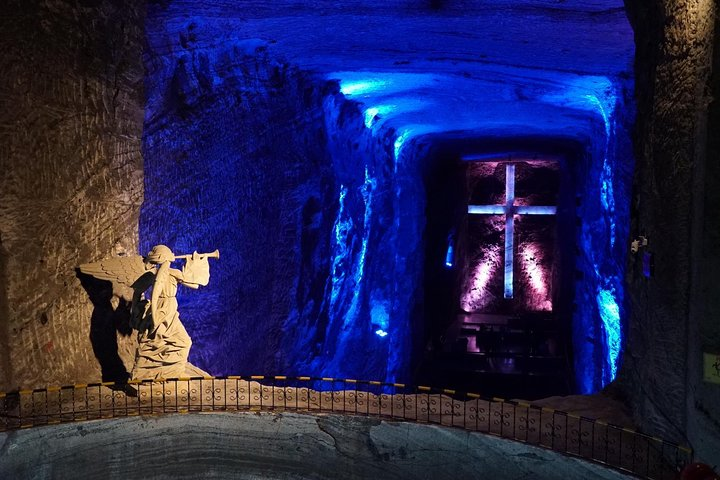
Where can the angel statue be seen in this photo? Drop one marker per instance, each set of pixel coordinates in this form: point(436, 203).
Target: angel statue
point(163, 343)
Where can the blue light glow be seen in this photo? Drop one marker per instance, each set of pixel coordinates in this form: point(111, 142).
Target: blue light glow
point(610, 315)
point(409, 134)
point(594, 93)
point(449, 256)
point(362, 87)
point(607, 196)
point(375, 114)
point(379, 314)
point(341, 249)
point(367, 193)
point(400, 141)
point(372, 114)
point(599, 236)
point(353, 84)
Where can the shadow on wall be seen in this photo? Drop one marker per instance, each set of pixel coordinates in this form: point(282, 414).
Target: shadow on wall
point(106, 322)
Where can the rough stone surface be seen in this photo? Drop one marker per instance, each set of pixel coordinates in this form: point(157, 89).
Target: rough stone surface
point(672, 312)
point(71, 111)
point(236, 159)
point(274, 167)
point(278, 446)
point(321, 202)
point(73, 177)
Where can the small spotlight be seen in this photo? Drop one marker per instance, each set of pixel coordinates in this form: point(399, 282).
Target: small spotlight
point(450, 254)
point(380, 332)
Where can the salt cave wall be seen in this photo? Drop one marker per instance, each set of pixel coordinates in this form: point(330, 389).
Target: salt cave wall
point(333, 310)
point(236, 160)
point(278, 170)
point(71, 108)
point(604, 176)
point(674, 313)
point(373, 327)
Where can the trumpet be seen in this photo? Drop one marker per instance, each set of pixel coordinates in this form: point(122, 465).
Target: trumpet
point(215, 254)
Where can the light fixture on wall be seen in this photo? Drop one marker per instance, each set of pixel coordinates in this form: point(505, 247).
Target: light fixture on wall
point(450, 253)
point(648, 259)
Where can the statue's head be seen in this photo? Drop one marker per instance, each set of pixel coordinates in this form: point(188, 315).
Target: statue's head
point(160, 254)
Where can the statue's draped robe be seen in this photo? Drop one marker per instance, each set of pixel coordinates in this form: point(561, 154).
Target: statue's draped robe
point(163, 348)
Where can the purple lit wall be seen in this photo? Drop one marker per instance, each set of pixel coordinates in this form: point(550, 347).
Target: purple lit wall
point(533, 238)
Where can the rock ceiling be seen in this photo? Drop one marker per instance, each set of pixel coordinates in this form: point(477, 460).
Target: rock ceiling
point(477, 68)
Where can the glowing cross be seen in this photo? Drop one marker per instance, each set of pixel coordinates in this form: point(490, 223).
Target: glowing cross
point(509, 209)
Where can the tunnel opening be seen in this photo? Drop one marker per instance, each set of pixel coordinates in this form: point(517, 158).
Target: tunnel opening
point(581, 122)
point(498, 308)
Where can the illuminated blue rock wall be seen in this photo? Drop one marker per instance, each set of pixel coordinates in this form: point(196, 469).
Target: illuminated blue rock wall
point(605, 175)
point(301, 158)
point(236, 159)
point(250, 156)
point(365, 330)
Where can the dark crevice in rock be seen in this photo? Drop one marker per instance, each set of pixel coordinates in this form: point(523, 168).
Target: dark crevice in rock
point(351, 435)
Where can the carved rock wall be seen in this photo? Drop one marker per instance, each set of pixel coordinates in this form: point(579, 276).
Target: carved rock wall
point(675, 184)
point(273, 166)
point(236, 159)
point(368, 324)
point(71, 111)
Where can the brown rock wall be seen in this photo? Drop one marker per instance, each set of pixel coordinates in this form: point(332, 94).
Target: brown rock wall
point(71, 118)
point(674, 46)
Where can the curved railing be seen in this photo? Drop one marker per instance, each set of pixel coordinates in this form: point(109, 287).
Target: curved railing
point(614, 446)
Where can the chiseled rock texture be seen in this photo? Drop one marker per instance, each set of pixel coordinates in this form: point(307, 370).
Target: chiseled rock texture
point(261, 141)
point(276, 446)
point(235, 159)
point(71, 110)
point(675, 204)
point(249, 154)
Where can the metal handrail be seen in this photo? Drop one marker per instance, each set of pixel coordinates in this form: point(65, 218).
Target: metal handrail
point(617, 447)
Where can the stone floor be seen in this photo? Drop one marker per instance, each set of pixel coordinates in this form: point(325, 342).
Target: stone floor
point(273, 445)
point(533, 425)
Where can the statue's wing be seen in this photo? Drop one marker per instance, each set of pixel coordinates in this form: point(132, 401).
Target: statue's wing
point(119, 270)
